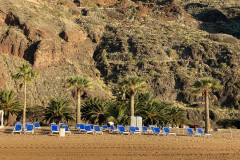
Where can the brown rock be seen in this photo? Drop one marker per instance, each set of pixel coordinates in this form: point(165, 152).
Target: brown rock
point(2, 85)
point(2, 17)
point(14, 42)
point(96, 34)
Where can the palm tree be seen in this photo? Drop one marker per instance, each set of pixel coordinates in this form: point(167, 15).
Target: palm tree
point(27, 74)
point(206, 85)
point(132, 84)
point(174, 115)
point(36, 113)
point(57, 110)
point(96, 110)
point(81, 84)
point(118, 114)
point(151, 111)
point(8, 104)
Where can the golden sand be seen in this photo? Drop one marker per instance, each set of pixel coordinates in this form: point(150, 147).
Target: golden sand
point(43, 145)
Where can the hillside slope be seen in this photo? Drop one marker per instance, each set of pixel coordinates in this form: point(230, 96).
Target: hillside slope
point(169, 43)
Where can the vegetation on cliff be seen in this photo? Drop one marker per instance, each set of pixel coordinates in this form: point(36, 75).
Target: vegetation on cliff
point(169, 43)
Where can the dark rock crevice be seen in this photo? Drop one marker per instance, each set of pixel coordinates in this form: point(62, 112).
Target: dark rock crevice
point(29, 53)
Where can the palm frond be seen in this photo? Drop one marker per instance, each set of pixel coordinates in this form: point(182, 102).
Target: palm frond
point(77, 82)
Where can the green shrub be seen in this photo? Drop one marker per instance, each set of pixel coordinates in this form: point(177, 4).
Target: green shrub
point(222, 65)
point(226, 123)
point(170, 52)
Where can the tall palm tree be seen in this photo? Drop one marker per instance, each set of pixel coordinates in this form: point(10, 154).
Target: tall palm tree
point(81, 84)
point(27, 74)
point(57, 110)
point(132, 84)
point(206, 85)
point(8, 104)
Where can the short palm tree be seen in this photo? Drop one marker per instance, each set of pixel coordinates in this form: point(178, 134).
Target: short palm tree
point(96, 110)
point(58, 110)
point(206, 85)
point(132, 84)
point(8, 104)
point(118, 114)
point(174, 115)
point(80, 84)
point(36, 113)
point(151, 111)
point(27, 74)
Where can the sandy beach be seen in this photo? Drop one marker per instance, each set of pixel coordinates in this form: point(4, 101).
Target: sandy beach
point(43, 145)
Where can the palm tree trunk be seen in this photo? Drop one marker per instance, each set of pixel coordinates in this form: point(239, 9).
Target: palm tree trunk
point(25, 104)
point(78, 116)
point(207, 120)
point(132, 102)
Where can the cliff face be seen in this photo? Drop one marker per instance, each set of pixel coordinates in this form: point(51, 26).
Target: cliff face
point(56, 46)
point(169, 43)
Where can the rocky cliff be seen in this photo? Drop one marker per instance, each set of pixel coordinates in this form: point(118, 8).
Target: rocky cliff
point(170, 43)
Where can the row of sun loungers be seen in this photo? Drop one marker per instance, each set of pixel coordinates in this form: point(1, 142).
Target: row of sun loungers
point(121, 130)
point(199, 132)
point(29, 127)
point(89, 128)
point(55, 128)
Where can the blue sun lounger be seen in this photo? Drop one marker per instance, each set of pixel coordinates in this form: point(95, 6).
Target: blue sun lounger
point(82, 127)
point(190, 132)
point(158, 132)
point(78, 126)
point(113, 129)
point(152, 130)
point(105, 128)
point(54, 128)
point(36, 125)
point(122, 130)
point(17, 128)
point(91, 126)
point(26, 124)
point(167, 131)
point(145, 129)
point(137, 129)
point(133, 130)
point(97, 129)
point(67, 129)
point(201, 133)
point(88, 129)
point(29, 128)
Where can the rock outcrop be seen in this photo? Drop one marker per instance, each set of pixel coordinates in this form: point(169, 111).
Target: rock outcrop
point(107, 40)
